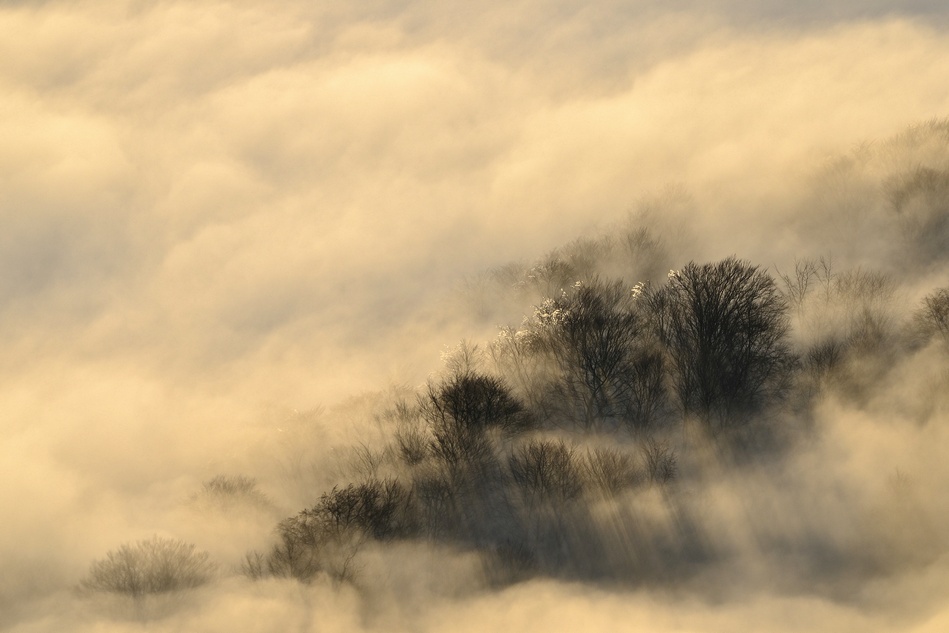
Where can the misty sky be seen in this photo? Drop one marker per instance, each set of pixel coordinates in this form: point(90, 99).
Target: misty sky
point(214, 209)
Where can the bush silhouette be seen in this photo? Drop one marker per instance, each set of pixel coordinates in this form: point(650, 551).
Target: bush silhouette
point(931, 320)
point(229, 492)
point(610, 471)
point(461, 411)
point(327, 537)
point(156, 565)
point(546, 470)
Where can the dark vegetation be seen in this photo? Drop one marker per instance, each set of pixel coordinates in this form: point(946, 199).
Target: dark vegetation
point(154, 566)
point(565, 447)
point(533, 450)
point(518, 449)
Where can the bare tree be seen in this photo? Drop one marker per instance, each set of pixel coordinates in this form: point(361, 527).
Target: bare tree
point(546, 470)
point(519, 358)
point(228, 492)
point(607, 364)
point(659, 461)
point(460, 412)
point(379, 509)
point(438, 497)
point(298, 553)
point(799, 283)
point(931, 320)
point(152, 566)
point(724, 327)
point(474, 401)
point(327, 537)
point(846, 326)
point(413, 444)
point(610, 470)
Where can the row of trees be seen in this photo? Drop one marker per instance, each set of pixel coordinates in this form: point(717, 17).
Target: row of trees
point(714, 337)
point(472, 469)
point(476, 460)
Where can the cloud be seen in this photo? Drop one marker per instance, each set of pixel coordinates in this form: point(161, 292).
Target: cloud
point(211, 208)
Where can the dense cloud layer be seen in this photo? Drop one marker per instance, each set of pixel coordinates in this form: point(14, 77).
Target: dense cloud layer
point(218, 213)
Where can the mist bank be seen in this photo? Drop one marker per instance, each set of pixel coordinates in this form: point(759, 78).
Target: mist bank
point(194, 222)
point(227, 227)
point(822, 510)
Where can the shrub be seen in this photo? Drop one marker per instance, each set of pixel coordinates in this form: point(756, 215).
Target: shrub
point(610, 471)
point(156, 565)
point(461, 411)
point(327, 537)
point(229, 491)
point(473, 401)
point(659, 461)
point(546, 470)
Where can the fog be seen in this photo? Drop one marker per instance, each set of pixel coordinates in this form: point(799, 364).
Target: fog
point(235, 233)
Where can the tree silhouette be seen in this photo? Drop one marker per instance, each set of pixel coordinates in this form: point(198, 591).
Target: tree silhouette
point(327, 537)
point(599, 343)
point(156, 565)
point(724, 327)
point(931, 320)
point(462, 409)
point(546, 470)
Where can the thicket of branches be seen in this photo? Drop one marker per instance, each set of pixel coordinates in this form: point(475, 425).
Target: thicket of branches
point(153, 566)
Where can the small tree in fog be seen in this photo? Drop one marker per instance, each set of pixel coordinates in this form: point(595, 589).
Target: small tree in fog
point(931, 320)
point(474, 401)
point(598, 341)
point(920, 200)
point(546, 470)
point(847, 324)
point(518, 357)
point(438, 497)
point(610, 470)
point(299, 552)
point(327, 537)
point(659, 461)
point(462, 409)
point(378, 509)
point(156, 565)
point(724, 327)
point(226, 492)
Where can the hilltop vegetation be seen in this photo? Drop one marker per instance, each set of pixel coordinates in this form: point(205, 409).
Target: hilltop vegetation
point(586, 441)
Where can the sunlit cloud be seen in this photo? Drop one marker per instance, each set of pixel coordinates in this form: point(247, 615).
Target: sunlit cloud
point(217, 213)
